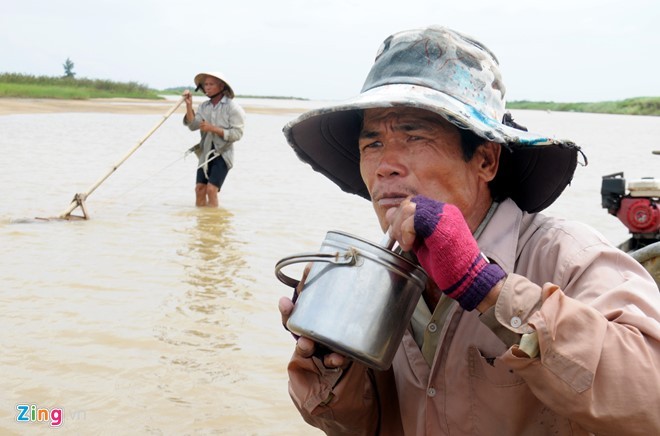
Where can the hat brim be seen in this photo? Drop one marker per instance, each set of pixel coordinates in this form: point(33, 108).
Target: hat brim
point(538, 168)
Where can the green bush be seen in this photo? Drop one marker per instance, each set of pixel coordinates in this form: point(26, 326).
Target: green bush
point(631, 106)
point(22, 85)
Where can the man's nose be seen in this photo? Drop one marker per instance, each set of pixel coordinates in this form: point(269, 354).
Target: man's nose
point(390, 162)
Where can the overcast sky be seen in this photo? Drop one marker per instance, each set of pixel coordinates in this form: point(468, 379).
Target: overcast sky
point(559, 50)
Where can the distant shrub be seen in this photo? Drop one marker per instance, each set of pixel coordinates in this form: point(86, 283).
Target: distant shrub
point(93, 88)
point(631, 106)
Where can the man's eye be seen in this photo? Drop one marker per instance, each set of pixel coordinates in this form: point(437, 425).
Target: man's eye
point(369, 145)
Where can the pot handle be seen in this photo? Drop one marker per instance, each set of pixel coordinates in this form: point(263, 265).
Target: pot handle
point(337, 258)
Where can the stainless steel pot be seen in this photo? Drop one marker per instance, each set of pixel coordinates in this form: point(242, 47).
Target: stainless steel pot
point(358, 298)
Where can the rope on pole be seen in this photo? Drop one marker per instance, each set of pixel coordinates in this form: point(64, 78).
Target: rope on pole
point(79, 198)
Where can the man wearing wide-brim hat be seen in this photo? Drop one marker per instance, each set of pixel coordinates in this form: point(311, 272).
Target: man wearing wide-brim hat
point(529, 324)
point(220, 121)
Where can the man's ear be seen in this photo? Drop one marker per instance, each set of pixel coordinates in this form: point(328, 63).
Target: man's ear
point(488, 159)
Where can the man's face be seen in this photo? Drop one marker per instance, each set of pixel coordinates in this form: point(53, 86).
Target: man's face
point(212, 85)
point(406, 152)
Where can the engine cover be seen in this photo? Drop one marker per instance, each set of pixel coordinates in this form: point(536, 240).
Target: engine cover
point(640, 215)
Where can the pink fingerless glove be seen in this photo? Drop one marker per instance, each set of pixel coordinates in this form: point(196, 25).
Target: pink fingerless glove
point(449, 253)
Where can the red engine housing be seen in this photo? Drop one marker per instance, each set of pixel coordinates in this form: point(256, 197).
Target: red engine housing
point(640, 215)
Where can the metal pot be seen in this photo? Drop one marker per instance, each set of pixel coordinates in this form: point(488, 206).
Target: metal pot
point(358, 298)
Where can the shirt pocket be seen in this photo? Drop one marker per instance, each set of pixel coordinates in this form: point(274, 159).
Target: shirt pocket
point(501, 403)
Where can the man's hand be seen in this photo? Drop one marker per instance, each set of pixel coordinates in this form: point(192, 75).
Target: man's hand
point(306, 347)
point(187, 97)
point(446, 249)
point(205, 126)
point(402, 224)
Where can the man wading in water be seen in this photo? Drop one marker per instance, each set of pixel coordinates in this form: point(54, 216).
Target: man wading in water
point(220, 121)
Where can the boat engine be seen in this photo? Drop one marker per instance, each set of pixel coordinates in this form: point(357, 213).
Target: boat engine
point(636, 204)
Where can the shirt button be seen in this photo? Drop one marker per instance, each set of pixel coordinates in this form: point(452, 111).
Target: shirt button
point(431, 392)
point(433, 327)
point(516, 322)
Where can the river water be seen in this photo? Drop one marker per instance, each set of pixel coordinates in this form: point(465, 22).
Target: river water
point(156, 317)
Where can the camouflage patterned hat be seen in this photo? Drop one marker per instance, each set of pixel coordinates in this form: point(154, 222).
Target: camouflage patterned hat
point(450, 74)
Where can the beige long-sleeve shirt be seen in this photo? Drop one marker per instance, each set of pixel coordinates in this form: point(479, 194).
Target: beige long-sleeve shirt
point(595, 312)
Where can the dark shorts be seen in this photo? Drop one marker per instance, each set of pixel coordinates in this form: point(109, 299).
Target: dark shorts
point(217, 172)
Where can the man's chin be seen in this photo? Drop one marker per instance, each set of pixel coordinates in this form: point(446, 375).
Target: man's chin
point(380, 215)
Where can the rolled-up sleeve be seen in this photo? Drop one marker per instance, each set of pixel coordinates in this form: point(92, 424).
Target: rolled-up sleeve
point(336, 401)
point(599, 359)
point(194, 124)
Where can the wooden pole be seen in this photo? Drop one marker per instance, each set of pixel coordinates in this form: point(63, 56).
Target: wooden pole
point(79, 199)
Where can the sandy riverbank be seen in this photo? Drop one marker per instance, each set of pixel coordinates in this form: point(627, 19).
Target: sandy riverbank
point(12, 106)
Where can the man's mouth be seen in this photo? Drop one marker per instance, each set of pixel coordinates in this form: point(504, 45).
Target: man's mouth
point(391, 199)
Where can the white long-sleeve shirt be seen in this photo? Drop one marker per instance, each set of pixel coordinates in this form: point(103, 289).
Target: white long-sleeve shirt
point(228, 115)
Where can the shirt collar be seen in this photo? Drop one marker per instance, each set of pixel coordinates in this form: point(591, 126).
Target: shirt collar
point(499, 239)
point(223, 100)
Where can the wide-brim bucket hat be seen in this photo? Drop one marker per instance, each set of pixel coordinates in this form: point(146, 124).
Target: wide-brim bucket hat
point(199, 81)
point(450, 74)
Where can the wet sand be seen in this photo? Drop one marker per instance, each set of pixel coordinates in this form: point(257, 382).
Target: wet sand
point(12, 106)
